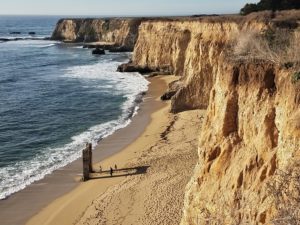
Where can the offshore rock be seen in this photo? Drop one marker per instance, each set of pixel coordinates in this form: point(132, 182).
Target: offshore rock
point(98, 51)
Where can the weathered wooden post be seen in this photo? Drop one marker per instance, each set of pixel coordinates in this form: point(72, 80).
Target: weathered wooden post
point(87, 161)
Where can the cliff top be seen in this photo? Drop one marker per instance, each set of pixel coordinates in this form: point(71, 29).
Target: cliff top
point(263, 16)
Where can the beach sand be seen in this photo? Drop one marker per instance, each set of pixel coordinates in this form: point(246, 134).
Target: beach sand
point(147, 188)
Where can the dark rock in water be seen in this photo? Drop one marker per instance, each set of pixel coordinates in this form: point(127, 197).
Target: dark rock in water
point(15, 32)
point(98, 51)
point(31, 33)
point(126, 67)
point(130, 67)
point(168, 95)
point(4, 39)
point(91, 46)
point(105, 47)
point(120, 49)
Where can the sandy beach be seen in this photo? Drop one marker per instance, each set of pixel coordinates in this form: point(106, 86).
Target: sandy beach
point(148, 187)
point(41, 193)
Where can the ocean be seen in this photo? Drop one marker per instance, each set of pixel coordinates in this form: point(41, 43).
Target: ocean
point(54, 98)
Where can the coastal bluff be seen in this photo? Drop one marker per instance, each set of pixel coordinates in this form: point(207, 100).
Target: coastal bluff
point(117, 32)
point(248, 148)
point(252, 126)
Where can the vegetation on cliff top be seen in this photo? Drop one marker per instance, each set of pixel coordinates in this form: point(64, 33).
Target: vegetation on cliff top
point(273, 5)
point(278, 46)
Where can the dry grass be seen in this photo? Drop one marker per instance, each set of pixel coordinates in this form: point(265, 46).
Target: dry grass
point(280, 46)
point(285, 192)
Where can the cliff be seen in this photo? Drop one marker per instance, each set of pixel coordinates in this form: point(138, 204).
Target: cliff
point(191, 50)
point(117, 32)
point(252, 125)
point(251, 133)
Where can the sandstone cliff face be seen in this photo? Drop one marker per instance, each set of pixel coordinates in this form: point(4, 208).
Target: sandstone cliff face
point(252, 125)
point(250, 132)
point(119, 32)
point(192, 49)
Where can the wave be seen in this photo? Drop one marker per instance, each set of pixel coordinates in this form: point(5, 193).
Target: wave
point(48, 45)
point(35, 43)
point(131, 85)
point(23, 37)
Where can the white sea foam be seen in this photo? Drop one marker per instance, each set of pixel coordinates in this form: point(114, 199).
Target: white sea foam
point(48, 45)
point(131, 85)
point(32, 43)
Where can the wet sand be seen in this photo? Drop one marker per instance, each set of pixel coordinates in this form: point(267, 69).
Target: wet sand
point(21, 206)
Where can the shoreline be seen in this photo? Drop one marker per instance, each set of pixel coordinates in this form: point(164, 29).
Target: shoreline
point(41, 193)
point(166, 154)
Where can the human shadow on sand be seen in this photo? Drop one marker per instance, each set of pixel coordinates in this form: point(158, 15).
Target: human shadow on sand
point(119, 172)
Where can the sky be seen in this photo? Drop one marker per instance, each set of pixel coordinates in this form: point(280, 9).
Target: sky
point(120, 7)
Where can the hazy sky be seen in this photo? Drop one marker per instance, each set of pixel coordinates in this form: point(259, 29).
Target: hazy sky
point(120, 7)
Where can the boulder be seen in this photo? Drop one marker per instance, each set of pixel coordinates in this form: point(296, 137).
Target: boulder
point(31, 33)
point(168, 95)
point(4, 39)
point(98, 51)
point(130, 67)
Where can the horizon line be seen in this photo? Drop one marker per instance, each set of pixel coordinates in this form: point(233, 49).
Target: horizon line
point(133, 15)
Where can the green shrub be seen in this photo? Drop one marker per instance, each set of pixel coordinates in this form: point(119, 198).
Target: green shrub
point(273, 5)
point(296, 77)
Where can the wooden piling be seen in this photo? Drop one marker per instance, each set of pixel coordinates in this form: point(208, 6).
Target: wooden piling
point(87, 160)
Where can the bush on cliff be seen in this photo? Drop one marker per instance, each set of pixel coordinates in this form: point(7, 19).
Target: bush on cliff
point(284, 191)
point(273, 5)
point(279, 46)
point(296, 77)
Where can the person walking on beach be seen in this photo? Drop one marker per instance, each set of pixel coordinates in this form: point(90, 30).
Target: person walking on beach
point(116, 167)
point(100, 169)
point(111, 171)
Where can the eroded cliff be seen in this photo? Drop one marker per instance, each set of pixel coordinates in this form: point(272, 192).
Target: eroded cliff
point(191, 50)
point(118, 32)
point(252, 125)
point(251, 132)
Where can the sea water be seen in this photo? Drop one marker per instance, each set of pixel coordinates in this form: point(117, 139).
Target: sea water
point(53, 99)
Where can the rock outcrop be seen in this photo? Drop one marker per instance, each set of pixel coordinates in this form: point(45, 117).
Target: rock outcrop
point(252, 126)
point(118, 32)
